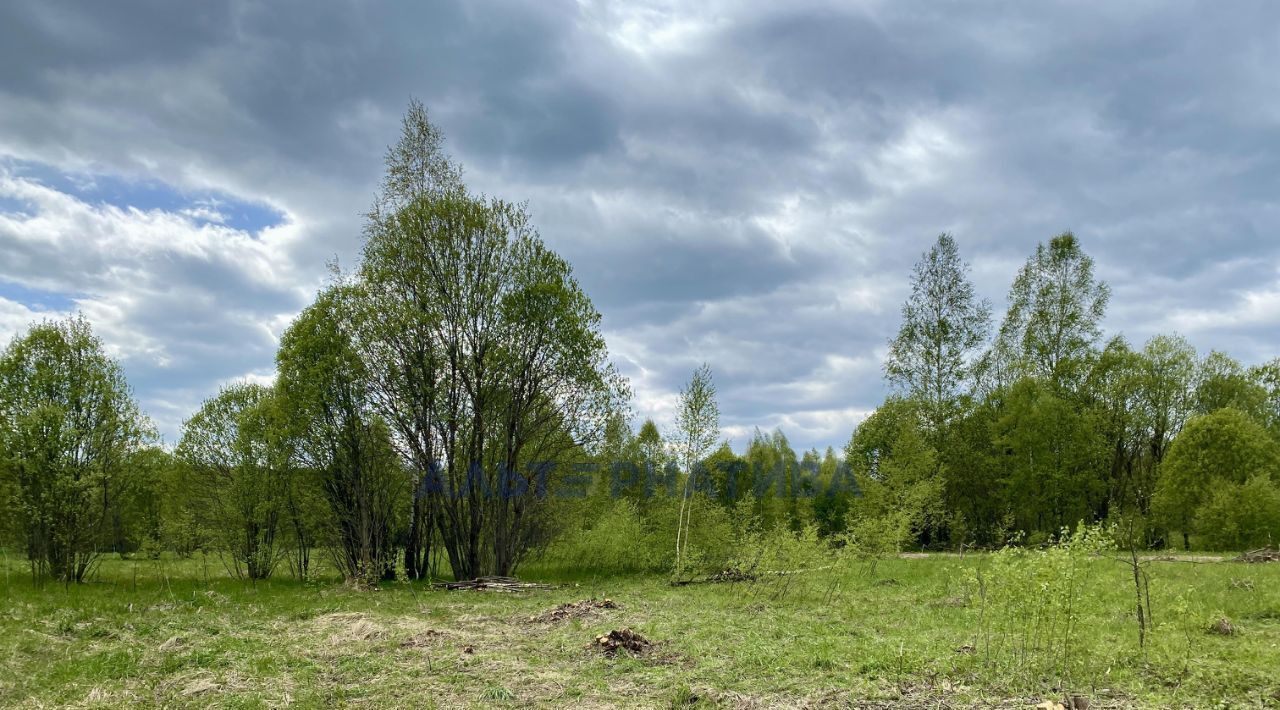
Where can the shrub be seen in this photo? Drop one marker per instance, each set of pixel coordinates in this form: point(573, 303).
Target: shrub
point(1030, 608)
point(1241, 517)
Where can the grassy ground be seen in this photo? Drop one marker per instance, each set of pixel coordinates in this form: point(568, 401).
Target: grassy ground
point(915, 633)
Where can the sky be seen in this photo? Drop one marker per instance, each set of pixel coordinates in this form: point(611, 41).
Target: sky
point(742, 184)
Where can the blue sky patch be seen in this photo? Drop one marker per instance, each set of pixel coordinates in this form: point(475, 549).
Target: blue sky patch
point(202, 207)
point(36, 299)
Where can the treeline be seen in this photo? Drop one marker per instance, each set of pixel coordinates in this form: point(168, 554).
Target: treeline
point(448, 408)
point(1015, 433)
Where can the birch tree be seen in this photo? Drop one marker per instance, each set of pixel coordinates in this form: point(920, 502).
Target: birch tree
point(943, 325)
point(697, 431)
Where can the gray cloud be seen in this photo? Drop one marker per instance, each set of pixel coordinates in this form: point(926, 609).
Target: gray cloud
point(745, 185)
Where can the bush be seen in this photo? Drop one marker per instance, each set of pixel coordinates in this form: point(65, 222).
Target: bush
point(1031, 605)
point(1241, 517)
point(614, 541)
point(618, 538)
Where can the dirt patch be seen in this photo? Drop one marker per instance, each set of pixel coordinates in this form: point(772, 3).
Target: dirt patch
point(200, 686)
point(362, 630)
point(954, 602)
point(621, 640)
point(574, 610)
point(1185, 558)
point(202, 683)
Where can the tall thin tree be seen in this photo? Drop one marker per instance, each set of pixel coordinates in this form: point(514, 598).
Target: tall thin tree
point(943, 325)
point(1055, 313)
point(698, 429)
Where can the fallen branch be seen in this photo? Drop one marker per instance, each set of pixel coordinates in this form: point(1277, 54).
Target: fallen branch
point(497, 584)
point(734, 574)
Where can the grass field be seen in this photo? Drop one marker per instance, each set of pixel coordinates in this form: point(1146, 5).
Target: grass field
point(913, 632)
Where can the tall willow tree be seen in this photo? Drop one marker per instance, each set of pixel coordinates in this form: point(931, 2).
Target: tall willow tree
point(68, 426)
point(943, 324)
point(484, 356)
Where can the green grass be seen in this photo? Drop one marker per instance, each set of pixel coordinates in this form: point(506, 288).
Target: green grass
point(181, 633)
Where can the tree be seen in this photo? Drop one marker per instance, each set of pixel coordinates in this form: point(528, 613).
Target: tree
point(485, 358)
point(1166, 402)
point(138, 522)
point(835, 496)
point(943, 324)
point(341, 446)
point(1225, 447)
point(974, 479)
point(1112, 394)
point(773, 465)
point(698, 430)
point(237, 486)
point(1267, 376)
point(897, 472)
point(1054, 455)
point(1055, 310)
point(68, 428)
point(654, 459)
point(1221, 381)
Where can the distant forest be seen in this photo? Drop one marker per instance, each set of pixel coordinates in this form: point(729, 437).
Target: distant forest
point(448, 408)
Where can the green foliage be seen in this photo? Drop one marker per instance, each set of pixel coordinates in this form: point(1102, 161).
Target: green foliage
point(236, 477)
point(773, 463)
point(1267, 376)
point(69, 428)
point(1224, 448)
point(350, 485)
point(484, 354)
point(1222, 382)
point(1052, 452)
point(618, 538)
point(1241, 516)
point(898, 476)
point(1031, 605)
point(1055, 310)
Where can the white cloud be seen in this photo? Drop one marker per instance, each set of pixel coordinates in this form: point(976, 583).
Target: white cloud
point(183, 303)
point(745, 184)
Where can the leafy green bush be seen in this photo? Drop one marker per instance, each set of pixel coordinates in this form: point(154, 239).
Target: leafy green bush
point(1031, 602)
point(1241, 517)
point(615, 541)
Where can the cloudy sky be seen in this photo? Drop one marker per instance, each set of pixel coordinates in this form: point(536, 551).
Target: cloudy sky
point(745, 184)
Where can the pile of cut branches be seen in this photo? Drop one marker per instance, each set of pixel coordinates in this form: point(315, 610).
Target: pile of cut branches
point(1265, 554)
point(574, 610)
